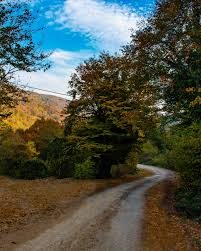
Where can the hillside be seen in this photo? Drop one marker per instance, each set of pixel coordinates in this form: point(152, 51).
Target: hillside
point(38, 106)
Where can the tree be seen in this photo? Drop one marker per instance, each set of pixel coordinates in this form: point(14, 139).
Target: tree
point(169, 52)
point(42, 132)
point(18, 50)
point(14, 150)
point(106, 117)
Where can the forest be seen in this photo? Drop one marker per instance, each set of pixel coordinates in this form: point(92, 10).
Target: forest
point(141, 105)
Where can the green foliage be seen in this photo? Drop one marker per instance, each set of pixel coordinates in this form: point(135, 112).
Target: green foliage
point(102, 145)
point(132, 159)
point(59, 157)
point(130, 165)
point(121, 170)
point(189, 202)
point(32, 169)
point(85, 170)
point(154, 145)
point(19, 51)
point(18, 157)
point(116, 170)
point(181, 153)
point(160, 160)
point(149, 151)
point(184, 154)
point(42, 132)
point(105, 116)
point(113, 113)
point(167, 53)
point(152, 155)
point(112, 147)
point(14, 151)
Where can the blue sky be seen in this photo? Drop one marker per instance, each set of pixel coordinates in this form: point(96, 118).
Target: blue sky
point(77, 29)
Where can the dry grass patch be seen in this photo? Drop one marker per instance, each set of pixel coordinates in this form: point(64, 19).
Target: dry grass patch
point(164, 228)
point(23, 201)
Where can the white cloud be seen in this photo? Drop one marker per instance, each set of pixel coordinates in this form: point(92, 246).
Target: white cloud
point(62, 57)
point(55, 79)
point(107, 26)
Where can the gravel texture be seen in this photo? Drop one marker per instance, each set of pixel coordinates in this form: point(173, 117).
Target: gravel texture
point(108, 221)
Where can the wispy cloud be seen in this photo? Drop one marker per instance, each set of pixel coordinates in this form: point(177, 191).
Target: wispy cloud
point(106, 25)
point(56, 79)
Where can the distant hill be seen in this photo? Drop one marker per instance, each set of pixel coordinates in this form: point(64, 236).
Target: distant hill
point(38, 106)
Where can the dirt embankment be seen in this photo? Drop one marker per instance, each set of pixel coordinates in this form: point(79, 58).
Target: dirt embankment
point(164, 228)
point(28, 202)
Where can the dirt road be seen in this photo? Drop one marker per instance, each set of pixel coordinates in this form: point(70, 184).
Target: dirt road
point(108, 221)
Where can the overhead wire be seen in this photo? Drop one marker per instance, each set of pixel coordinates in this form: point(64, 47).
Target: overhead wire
point(40, 89)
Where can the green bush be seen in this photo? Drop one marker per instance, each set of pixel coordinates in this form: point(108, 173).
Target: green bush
point(61, 167)
point(59, 158)
point(13, 152)
point(189, 202)
point(105, 143)
point(121, 170)
point(33, 169)
point(160, 160)
point(184, 155)
point(129, 167)
point(149, 152)
point(85, 170)
point(132, 160)
point(116, 171)
point(181, 152)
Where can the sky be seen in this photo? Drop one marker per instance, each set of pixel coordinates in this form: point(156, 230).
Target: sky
point(75, 30)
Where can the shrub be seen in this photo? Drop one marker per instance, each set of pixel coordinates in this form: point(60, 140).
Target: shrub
point(61, 167)
point(159, 160)
point(13, 152)
point(33, 169)
point(121, 170)
point(115, 171)
point(42, 132)
point(59, 158)
point(132, 160)
point(149, 152)
point(184, 155)
point(85, 170)
point(189, 202)
point(129, 167)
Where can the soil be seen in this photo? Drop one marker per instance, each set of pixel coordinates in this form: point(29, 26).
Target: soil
point(30, 207)
point(109, 220)
point(165, 229)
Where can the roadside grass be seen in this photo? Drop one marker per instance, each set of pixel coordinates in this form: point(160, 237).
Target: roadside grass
point(164, 228)
point(25, 201)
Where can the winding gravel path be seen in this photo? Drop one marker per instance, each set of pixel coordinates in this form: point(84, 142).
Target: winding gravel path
point(107, 221)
